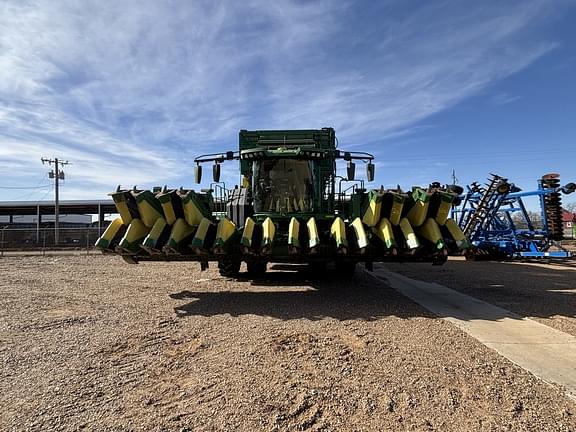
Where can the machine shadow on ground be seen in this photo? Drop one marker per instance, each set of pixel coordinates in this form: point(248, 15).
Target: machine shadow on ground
point(313, 297)
point(525, 290)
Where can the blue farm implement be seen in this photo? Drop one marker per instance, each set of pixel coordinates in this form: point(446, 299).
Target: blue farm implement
point(494, 218)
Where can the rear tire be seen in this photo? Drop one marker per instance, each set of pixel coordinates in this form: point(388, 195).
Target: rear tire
point(317, 269)
point(229, 268)
point(256, 269)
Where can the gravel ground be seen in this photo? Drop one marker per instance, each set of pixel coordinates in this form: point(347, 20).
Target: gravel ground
point(92, 343)
point(543, 292)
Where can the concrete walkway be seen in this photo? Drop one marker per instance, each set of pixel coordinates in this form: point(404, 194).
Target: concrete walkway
point(545, 352)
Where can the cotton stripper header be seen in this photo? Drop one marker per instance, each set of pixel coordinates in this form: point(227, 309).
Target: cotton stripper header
point(291, 207)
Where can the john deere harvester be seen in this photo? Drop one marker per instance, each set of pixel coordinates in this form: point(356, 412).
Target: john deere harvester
point(291, 207)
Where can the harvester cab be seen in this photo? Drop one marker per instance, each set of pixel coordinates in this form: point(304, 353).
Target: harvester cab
point(291, 207)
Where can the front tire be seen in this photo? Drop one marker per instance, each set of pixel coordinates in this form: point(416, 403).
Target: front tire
point(229, 267)
point(257, 269)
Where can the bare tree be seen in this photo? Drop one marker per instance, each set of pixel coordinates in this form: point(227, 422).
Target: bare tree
point(520, 222)
point(571, 207)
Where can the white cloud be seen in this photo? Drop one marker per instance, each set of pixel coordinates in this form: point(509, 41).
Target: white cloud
point(504, 99)
point(131, 91)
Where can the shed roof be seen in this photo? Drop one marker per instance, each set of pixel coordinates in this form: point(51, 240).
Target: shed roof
point(567, 216)
point(47, 207)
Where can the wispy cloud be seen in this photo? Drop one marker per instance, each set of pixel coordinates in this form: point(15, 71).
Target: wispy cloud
point(130, 91)
point(504, 99)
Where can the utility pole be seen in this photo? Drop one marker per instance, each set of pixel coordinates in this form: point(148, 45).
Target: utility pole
point(454, 179)
point(57, 174)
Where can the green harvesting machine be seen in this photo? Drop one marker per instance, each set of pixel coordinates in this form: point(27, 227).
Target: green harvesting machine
point(291, 207)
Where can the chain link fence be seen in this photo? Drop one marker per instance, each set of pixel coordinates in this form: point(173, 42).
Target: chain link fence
point(43, 239)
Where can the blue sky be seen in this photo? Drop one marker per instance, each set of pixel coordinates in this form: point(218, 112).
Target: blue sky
point(129, 92)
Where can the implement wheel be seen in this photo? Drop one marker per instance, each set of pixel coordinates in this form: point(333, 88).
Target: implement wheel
point(256, 269)
point(229, 267)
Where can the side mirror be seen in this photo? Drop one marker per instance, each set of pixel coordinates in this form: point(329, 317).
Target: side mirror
point(351, 170)
point(569, 188)
point(198, 173)
point(216, 173)
point(370, 168)
point(455, 189)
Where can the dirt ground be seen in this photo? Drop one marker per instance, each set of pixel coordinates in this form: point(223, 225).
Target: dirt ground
point(92, 343)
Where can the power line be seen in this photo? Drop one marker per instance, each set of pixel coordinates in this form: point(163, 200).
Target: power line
point(27, 195)
point(24, 187)
point(46, 193)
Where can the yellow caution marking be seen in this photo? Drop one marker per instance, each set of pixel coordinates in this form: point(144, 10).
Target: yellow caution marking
point(151, 241)
point(123, 210)
point(408, 233)
point(148, 214)
point(224, 231)
point(314, 239)
point(136, 231)
point(157, 228)
point(192, 213)
point(385, 233)
point(248, 232)
point(396, 211)
point(417, 214)
point(338, 233)
point(443, 212)
point(201, 233)
point(111, 232)
point(181, 230)
point(431, 232)
point(268, 232)
point(372, 213)
point(294, 234)
point(135, 234)
point(361, 238)
point(457, 234)
point(171, 205)
point(169, 212)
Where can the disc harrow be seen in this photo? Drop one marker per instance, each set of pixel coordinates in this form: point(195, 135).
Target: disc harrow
point(499, 226)
point(553, 206)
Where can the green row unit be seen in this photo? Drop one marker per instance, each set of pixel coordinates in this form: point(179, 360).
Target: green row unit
point(383, 225)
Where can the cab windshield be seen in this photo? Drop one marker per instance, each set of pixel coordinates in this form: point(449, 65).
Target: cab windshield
point(282, 186)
